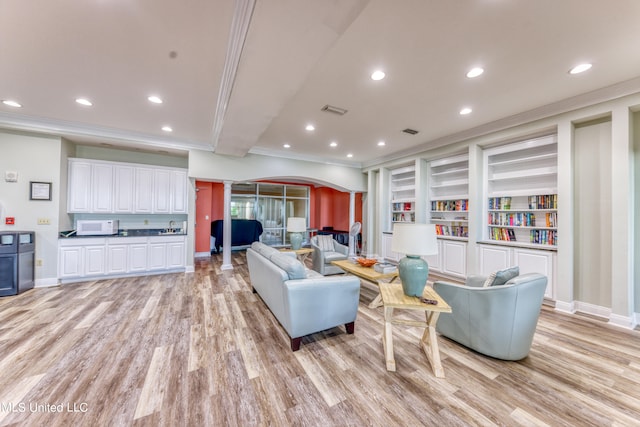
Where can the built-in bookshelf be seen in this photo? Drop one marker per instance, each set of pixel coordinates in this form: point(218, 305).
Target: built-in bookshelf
point(522, 198)
point(403, 194)
point(449, 196)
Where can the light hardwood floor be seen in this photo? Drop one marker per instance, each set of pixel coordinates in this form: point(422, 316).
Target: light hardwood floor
point(201, 349)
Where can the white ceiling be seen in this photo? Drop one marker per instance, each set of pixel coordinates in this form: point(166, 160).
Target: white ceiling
point(237, 77)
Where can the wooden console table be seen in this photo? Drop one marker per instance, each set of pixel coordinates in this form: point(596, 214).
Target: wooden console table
point(393, 297)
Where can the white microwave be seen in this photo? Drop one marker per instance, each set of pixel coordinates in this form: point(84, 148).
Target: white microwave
point(97, 227)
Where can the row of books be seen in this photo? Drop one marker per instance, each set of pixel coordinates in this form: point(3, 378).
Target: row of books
point(547, 201)
point(452, 230)
point(500, 203)
point(450, 205)
point(406, 206)
point(539, 237)
point(519, 219)
point(522, 219)
point(403, 217)
point(544, 237)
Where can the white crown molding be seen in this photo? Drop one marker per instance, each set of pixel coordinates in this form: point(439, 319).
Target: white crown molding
point(70, 130)
point(237, 36)
point(615, 91)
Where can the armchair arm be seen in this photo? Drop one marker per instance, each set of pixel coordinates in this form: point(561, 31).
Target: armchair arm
point(314, 305)
point(339, 247)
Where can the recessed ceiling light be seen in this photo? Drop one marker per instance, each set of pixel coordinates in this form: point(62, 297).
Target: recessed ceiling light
point(465, 111)
point(475, 72)
point(11, 103)
point(377, 75)
point(84, 101)
point(381, 143)
point(167, 128)
point(333, 144)
point(581, 68)
point(287, 146)
point(349, 155)
point(155, 99)
point(310, 127)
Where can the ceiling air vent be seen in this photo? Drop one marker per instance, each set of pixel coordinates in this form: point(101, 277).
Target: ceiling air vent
point(336, 110)
point(410, 131)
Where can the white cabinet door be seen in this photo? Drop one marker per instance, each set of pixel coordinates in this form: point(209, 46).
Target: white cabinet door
point(493, 258)
point(94, 260)
point(534, 261)
point(143, 193)
point(117, 258)
point(101, 188)
point(123, 184)
point(435, 261)
point(175, 255)
point(157, 256)
point(179, 185)
point(138, 257)
point(162, 191)
point(454, 258)
point(79, 187)
point(70, 261)
point(387, 253)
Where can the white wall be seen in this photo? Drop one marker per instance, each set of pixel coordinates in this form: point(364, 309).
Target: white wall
point(208, 166)
point(592, 205)
point(636, 214)
point(34, 158)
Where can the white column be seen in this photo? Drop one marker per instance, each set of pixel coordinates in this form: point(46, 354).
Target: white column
point(226, 229)
point(352, 219)
point(621, 219)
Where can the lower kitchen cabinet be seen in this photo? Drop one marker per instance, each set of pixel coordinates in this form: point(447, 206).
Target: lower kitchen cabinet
point(83, 258)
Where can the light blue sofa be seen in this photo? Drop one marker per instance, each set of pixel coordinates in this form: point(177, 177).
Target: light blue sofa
point(303, 301)
point(497, 321)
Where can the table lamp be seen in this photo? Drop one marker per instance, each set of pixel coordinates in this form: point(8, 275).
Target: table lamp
point(296, 226)
point(414, 240)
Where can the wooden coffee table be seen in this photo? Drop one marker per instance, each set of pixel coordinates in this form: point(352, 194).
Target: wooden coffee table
point(368, 274)
point(393, 297)
point(301, 253)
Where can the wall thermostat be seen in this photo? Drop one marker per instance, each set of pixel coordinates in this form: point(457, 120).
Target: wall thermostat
point(11, 176)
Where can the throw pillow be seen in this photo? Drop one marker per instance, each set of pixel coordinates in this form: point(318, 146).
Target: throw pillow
point(490, 279)
point(325, 242)
point(293, 267)
point(503, 276)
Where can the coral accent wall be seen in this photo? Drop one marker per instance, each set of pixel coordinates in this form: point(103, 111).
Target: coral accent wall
point(328, 208)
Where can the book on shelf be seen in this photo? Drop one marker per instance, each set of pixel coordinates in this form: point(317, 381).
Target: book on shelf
point(544, 201)
point(500, 203)
point(450, 205)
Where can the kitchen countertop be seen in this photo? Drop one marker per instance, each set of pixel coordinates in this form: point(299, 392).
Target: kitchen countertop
point(131, 232)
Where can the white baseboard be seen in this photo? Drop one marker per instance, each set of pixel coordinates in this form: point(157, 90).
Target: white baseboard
point(592, 309)
point(627, 322)
point(46, 283)
point(565, 307)
point(202, 255)
point(190, 269)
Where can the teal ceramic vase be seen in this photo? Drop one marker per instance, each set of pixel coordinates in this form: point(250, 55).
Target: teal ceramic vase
point(413, 275)
point(296, 241)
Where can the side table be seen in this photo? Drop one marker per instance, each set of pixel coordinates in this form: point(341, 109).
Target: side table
point(393, 297)
point(301, 253)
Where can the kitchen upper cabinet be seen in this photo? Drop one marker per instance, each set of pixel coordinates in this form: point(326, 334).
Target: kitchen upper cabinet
point(179, 185)
point(143, 193)
point(79, 193)
point(103, 187)
point(123, 181)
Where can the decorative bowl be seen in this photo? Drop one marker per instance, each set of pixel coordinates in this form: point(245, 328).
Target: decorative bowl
point(366, 262)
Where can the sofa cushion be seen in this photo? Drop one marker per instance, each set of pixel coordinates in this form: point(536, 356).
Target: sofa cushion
point(333, 256)
point(293, 267)
point(264, 250)
point(325, 242)
point(490, 280)
point(503, 276)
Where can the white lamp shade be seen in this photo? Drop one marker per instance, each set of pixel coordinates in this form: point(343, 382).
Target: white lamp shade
point(414, 239)
point(296, 224)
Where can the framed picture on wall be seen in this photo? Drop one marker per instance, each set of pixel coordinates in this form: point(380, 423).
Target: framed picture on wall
point(39, 190)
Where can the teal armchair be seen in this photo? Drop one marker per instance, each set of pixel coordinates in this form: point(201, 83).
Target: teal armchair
point(497, 321)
